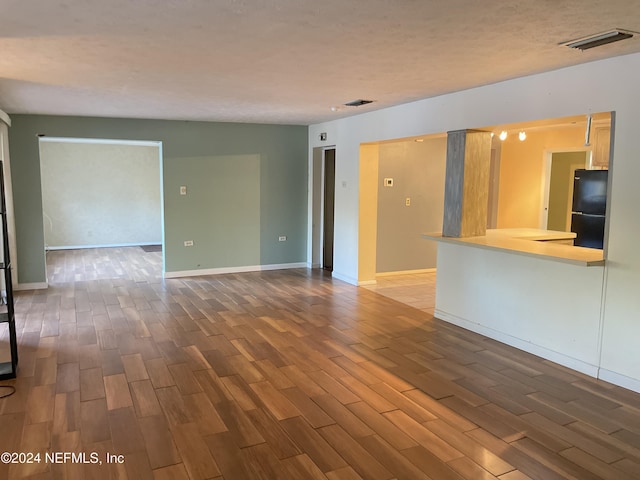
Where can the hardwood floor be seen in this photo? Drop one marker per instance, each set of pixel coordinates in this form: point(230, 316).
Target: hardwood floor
point(287, 374)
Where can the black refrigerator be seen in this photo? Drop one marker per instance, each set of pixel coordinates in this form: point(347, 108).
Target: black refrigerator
point(589, 207)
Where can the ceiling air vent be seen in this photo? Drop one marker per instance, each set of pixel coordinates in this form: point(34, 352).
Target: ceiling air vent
point(599, 39)
point(358, 103)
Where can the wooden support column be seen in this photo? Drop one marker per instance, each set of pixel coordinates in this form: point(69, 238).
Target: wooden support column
point(466, 191)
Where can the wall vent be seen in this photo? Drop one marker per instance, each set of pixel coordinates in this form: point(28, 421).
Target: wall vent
point(357, 103)
point(599, 39)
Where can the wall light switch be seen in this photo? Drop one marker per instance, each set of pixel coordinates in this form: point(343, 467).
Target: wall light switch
point(407, 201)
point(388, 182)
point(183, 189)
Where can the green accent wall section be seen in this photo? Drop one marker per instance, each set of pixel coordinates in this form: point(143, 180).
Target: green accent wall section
point(250, 179)
point(221, 211)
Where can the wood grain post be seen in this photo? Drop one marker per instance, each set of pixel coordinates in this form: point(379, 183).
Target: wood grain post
point(466, 183)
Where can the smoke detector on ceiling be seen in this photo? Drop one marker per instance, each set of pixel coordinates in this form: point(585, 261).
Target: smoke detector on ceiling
point(599, 39)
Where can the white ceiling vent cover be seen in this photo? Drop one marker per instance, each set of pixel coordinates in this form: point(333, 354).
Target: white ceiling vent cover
point(599, 39)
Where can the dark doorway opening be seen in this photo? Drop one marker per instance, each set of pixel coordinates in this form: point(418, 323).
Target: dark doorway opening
point(329, 200)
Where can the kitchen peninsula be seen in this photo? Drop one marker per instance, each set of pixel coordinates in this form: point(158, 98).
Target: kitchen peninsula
point(524, 288)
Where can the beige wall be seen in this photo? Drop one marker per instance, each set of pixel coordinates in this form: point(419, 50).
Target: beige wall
point(563, 167)
point(367, 247)
point(418, 172)
point(522, 173)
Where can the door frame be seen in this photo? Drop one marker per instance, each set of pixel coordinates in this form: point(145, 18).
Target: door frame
point(546, 178)
point(110, 141)
point(317, 205)
point(326, 184)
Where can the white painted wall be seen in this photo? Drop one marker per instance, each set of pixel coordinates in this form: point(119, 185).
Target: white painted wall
point(547, 308)
point(607, 85)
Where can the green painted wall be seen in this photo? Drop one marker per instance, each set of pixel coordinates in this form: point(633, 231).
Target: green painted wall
point(229, 226)
point(193, 153)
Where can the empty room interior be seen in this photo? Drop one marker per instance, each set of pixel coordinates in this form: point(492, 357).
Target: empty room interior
point(223, 259)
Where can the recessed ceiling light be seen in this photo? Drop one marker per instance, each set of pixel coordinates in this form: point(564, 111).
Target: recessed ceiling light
point(599, 39)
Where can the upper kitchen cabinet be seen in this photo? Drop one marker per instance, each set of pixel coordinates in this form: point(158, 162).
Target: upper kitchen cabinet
point(601, 146)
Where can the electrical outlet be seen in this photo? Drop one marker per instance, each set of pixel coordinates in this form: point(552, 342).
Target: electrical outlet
point(188, 243)
point(282, 238)
point(183, 189)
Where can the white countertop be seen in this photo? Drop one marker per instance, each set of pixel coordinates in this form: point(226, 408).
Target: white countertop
point(530, 242)
point(532, 234)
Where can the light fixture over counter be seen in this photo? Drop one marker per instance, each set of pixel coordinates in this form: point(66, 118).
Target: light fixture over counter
point(522, 135)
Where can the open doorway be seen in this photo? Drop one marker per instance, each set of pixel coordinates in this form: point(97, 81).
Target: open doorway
point(100, 194)
point(323, 201)
point(328, 208)
point(561, 167)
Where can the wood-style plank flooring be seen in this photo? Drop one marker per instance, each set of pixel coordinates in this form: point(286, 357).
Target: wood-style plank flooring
point(290, 375)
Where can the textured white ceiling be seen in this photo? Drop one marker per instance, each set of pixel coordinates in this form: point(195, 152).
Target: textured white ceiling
point(281, 61)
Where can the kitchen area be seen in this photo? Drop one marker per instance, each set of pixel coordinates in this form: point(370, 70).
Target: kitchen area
point(512, 271)
point(538, 187)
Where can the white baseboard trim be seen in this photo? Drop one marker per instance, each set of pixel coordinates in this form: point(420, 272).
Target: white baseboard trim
point(405, 272)
point(313, 265)
point(114, 245)
point(31, 286)
point(223, 270)
point(620, 380)
point(344, 278)
point(565, 360)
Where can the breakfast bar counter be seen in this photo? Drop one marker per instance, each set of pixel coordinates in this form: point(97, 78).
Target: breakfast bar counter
point(526, 288)
point(547, 244)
